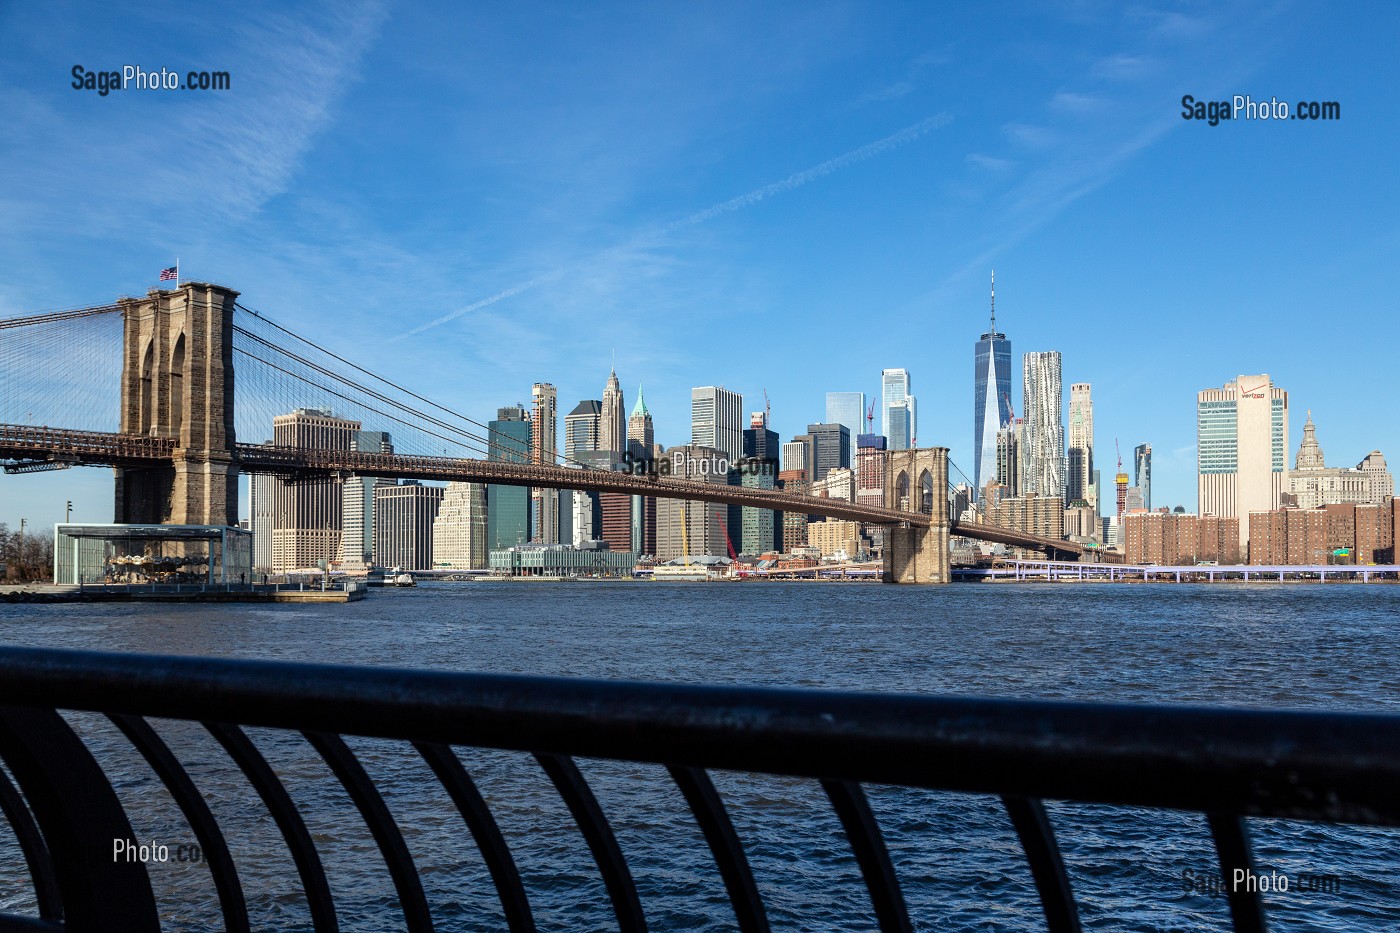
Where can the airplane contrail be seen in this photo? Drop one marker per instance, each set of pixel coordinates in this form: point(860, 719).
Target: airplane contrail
point(795, 180)
point(485, 302)
point(798, 179)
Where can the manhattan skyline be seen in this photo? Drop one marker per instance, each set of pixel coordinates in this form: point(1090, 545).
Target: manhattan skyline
point(812, 184)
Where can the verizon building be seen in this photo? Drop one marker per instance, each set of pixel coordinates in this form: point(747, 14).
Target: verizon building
point(1241, 449)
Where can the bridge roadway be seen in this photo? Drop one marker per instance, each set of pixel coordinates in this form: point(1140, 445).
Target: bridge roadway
point(97, 448)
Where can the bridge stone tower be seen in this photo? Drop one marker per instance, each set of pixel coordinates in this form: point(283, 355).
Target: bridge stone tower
point(917, 481)
point(177, 381)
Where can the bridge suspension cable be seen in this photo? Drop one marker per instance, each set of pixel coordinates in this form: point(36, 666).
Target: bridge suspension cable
point(51, 317)
point(62, 368)
point(404, 413)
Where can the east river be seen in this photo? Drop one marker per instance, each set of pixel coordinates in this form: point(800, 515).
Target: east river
point(1332, 647)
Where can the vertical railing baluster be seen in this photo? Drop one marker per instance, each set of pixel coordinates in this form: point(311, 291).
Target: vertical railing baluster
point(705, 803)
point(80, 817)
point(206, 829)
point(36, 853)
point(579, 798)
point(484, 829)
point(284, 813)
point(1232, 848)
point(868, 845)
point(1037, 837)
point(375, 811)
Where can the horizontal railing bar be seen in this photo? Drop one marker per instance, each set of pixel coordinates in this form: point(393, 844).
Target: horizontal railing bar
point(14, 923)
point(1335, 767)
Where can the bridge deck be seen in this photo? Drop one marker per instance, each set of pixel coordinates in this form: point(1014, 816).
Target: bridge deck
point(97, 448)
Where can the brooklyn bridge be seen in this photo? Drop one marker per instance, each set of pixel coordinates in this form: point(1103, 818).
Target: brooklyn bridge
point(159, 389)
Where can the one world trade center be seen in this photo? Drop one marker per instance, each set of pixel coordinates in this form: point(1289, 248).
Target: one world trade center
point(992, 397)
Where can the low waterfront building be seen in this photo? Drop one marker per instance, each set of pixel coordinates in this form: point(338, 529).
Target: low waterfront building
point(1337, 533)
point(1218, 539)
point(1179, 539)
point(210, 555)
point(561, 560)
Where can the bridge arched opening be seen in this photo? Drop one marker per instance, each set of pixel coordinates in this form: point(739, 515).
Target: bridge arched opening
point(177, 386)
point(901, 491)
point(926, 492)
point(148, 365)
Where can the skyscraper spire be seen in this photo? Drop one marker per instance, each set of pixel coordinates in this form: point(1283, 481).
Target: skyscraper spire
point(994, 301)
point(612, 427)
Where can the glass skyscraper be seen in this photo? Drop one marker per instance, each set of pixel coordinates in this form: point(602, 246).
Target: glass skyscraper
point(508, 507)
point(846, 408)
point(900, 416)
point(1142, 473)
point(991, 398)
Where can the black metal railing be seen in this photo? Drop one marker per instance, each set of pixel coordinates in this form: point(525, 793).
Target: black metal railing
point(1227, 764)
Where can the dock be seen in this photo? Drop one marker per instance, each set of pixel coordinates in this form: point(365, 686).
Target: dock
point(347, 592)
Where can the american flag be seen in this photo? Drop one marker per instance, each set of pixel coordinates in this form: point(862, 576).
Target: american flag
point(168, 275)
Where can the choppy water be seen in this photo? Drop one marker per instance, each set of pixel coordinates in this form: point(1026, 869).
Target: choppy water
point(1333, 647)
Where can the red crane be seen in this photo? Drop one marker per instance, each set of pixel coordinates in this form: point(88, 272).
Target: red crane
point(729, 543)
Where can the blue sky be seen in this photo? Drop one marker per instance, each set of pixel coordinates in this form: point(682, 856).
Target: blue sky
point(791, 197)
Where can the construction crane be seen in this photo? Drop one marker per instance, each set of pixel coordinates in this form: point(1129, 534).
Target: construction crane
point(767, 410)
point(870, 417)
point(685, 538)
point(729, 543)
